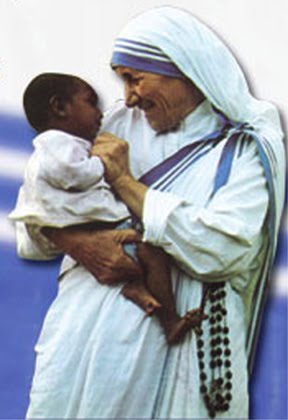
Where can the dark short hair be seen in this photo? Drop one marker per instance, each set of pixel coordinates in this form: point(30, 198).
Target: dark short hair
point(39, 92)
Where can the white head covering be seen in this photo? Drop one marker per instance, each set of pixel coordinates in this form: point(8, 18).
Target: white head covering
point(173, 35)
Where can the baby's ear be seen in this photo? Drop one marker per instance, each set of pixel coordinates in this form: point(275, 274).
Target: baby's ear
point(58, 106)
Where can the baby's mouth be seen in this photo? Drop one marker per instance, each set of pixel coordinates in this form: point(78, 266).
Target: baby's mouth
point(98, 126)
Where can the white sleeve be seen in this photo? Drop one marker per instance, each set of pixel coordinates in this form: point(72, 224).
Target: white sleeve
point(70, 166)
point(32, 245)
point(217, 240)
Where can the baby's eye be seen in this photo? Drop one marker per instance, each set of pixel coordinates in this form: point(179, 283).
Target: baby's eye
point(93, 102)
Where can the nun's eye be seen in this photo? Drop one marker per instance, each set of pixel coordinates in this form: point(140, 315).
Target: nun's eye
point(127, 77)
point(135, 80)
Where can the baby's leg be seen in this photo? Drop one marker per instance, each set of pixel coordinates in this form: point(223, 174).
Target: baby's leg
point(158, 280)
point(137, 291)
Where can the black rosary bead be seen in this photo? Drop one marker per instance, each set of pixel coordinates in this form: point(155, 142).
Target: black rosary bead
point(218, 340)
point(212, 298)
point(218, 352)
point(220, 382)
point(213, 342)
point(219, 317)
point(203, 389)
point(201, 365)
point(219, 362)
point(213, 353)
point(212, 320)
point(212, 414)
point(200, 343)
point(228, 396)
point(219, 398)
point(212, 364)
point(225, 407)
point(228, 385)
point(200, 354)
point(213, 331)
point(229, 374)
point(200, 332)
point(203, 376)
point(223, 294)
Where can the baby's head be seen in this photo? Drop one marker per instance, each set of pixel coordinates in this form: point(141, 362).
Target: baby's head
point(63, 102)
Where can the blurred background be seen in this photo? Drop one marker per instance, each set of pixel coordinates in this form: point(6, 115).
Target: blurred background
point(77, 37)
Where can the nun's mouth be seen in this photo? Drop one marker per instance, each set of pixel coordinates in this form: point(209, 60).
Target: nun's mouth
point(146, 105)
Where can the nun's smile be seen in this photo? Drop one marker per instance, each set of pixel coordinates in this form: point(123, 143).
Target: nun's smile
point(165, 100)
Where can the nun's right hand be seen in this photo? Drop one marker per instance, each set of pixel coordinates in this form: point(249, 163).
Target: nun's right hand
point(99, 251)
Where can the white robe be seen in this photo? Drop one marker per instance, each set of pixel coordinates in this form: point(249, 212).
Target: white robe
point(64, 185)
point(99, 355)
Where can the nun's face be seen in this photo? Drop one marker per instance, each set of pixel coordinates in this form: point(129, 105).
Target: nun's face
point(166, 101)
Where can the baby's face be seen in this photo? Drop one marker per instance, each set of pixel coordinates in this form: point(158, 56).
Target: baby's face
point(84, 116)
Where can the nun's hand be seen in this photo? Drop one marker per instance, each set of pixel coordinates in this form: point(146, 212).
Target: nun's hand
point(99, 251)
point(114, 153)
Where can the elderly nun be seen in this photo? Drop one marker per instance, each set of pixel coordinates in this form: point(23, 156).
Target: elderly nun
point(205, 176)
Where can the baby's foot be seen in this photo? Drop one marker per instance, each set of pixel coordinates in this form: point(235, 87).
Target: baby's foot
point(137, 292)
point(177, 330)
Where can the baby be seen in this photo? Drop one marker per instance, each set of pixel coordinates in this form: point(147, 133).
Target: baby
point(64, 186)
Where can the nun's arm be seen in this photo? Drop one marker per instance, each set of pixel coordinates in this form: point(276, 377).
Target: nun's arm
point(99, 251)
point(211, 242)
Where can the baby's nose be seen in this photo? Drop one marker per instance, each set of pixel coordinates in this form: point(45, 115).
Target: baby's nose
point(99, 115)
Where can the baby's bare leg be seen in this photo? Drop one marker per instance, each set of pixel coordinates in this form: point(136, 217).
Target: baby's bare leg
point(157, 275)
point(158, 280)
point(137, 291)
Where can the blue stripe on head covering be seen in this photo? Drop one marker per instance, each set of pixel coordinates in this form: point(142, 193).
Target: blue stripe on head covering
point(143, 57)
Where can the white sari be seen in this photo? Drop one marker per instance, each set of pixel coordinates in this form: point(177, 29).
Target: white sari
point(99, 355)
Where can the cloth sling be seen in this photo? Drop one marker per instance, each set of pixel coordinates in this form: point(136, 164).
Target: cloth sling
point(162, 176)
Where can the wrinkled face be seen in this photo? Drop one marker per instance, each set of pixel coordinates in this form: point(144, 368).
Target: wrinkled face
point(83, 113)
point(164, 100)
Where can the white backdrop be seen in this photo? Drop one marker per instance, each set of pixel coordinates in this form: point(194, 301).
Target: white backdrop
point(77, 36)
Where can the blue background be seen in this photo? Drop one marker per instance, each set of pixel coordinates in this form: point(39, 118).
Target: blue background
point(27, 289)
